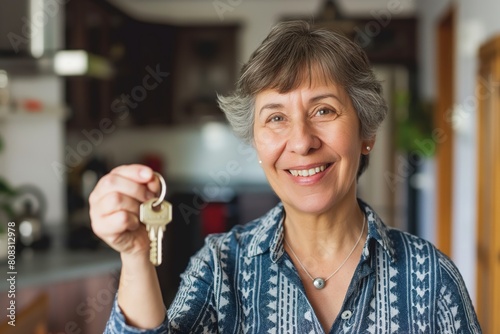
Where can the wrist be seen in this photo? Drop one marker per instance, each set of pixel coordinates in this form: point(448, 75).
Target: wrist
point(136, 261)
point(137, 273)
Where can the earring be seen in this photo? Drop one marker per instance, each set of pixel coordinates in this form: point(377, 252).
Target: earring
point(260, 161)
point(368, 148)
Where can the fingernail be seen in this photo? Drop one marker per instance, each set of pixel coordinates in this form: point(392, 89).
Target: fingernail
point(145, 174)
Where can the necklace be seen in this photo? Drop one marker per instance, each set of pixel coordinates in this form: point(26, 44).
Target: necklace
point(318, 282)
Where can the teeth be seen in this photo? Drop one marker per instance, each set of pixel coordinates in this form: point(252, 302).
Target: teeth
point(307, 172)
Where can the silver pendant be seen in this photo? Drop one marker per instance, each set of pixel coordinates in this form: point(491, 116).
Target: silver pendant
point(319, 283)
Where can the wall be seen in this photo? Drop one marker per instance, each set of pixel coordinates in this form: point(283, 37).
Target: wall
point(476, 23)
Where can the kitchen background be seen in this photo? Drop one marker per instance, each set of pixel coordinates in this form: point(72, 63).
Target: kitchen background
point(86, 85)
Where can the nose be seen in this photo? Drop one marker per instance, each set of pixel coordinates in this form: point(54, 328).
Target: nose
point(303, 140)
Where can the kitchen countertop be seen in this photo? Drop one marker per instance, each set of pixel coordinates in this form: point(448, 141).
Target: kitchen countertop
point(57, 264)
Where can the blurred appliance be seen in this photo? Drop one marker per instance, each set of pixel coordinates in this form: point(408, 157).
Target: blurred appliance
point(31, 207)
point(30, 42)
point(26, 37)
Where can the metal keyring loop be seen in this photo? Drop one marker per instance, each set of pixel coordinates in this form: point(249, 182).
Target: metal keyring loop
point(163, 191)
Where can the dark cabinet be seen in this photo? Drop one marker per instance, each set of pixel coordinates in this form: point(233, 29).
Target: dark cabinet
point(163, 74)
point(205, 65)
point(140, 90)
point(388, 43)
point(88, 27)
point(143, 81)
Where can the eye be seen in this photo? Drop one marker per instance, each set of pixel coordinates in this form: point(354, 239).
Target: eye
point(276, 118)
point(324, 112)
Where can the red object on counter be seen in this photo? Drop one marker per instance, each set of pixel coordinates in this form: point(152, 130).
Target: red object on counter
point(213, 218)
point(32, 105)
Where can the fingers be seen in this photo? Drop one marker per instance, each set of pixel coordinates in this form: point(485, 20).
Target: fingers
point(141, 174)
point(115, 201)
point(114, 206)
point(137, 173)
point(119, 225)
point(126, 181)
point(115, 223)
point(154, 186)
point(129, 242)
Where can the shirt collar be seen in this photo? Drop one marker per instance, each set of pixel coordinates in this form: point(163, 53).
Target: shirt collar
point(268, 235)
point(377, 231)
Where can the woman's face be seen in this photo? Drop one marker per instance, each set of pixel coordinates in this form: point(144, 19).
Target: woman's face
point(309, 143)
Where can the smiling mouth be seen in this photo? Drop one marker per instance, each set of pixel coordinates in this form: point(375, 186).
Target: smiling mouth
point(308, 172)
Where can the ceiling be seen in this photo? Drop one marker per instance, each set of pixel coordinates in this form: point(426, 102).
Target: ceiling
point(355, 8)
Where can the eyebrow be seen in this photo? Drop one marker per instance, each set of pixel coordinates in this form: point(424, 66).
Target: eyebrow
point(312, 100)
point(271, 106)
point(324, 96)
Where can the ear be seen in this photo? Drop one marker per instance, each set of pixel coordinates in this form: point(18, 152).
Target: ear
point(367, 146)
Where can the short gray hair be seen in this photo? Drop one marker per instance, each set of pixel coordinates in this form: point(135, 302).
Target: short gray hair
point(287, 56)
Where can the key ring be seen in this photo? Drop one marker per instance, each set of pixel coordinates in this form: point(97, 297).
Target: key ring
point(163, 192)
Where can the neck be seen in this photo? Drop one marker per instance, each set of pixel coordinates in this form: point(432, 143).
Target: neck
point(325, 235)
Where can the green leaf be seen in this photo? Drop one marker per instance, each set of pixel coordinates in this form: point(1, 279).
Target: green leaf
point(5, 207)
point(5, 188)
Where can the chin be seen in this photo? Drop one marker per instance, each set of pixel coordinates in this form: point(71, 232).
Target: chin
point(311, 205)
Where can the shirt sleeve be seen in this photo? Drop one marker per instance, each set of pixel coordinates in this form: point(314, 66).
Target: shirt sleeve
point(193, 308)
point(455, 312)
point(117, 325)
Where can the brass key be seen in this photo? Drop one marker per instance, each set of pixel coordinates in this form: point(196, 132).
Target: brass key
point(156, 213)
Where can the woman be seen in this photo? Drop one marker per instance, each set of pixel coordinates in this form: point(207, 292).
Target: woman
point(322, 260)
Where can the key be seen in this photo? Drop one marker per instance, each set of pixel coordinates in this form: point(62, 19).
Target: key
point(156, 219)
point(156, 214)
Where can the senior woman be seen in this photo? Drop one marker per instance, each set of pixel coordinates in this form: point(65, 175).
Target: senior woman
point(321, 260)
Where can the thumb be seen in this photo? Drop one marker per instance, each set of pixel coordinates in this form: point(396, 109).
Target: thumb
point(138, 173)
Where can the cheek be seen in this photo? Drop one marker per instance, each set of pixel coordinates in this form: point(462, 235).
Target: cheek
point(268, 145)
point(344, 142)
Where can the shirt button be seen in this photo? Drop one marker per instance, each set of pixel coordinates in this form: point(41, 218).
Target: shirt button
point(346, 315)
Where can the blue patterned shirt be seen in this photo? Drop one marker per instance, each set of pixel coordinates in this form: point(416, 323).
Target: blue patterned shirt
point(244, 282)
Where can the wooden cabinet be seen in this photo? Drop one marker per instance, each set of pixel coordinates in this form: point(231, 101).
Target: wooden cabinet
point(388, 43)
point(88, 28)
point(163, 75)
point(385, 40)
point(143, 81)
point(141, 54)
point(205, 65)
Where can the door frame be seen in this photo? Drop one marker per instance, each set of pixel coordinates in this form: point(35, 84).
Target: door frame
point(444, 150)
point(488, 186)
